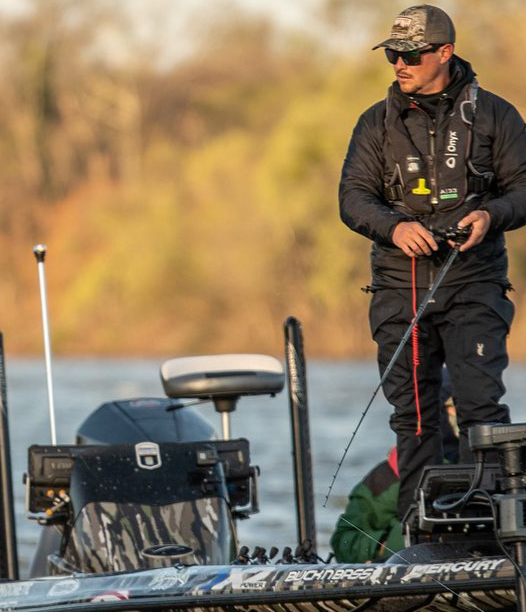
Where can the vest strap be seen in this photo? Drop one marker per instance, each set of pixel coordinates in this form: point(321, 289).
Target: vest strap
point(394, 193)
point(477, 185)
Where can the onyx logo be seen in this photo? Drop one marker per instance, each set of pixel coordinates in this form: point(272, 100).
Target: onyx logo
point(451, 150)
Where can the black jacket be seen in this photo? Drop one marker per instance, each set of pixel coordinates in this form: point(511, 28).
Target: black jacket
point(498, 146)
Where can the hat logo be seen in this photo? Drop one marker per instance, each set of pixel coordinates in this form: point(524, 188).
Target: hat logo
point(401, 27)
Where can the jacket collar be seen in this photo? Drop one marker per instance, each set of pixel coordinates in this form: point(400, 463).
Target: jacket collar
point(461, 74)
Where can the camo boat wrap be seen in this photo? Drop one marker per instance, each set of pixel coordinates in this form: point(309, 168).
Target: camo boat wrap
point(483, 584)
point(110, 537)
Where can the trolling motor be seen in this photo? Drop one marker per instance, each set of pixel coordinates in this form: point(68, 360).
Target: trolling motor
point(510, 442)
point(478, 508)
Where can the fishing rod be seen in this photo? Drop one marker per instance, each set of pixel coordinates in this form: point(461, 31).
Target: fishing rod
point(40, 253)
point(458, 236)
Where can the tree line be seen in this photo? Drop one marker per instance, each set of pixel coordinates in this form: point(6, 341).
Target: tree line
point(192, 207)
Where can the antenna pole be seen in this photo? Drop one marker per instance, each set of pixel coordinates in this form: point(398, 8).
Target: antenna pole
point(40, 253)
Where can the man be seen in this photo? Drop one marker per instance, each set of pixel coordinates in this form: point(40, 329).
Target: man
point(369, 529)
point(439, 152)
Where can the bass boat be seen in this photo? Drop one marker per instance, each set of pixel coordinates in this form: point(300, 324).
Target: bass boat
point(140, 512)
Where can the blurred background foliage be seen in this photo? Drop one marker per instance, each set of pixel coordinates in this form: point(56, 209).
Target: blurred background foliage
point(189, 199)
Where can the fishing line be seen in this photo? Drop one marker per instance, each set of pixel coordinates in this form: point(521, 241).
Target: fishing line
point(433, 579)
point(427, 298)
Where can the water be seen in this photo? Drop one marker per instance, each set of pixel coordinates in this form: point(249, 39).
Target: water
point(338, 394)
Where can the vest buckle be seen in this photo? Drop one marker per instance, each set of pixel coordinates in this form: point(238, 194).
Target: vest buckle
point(394, 193)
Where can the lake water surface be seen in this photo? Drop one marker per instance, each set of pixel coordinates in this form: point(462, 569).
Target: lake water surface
point(338, 394)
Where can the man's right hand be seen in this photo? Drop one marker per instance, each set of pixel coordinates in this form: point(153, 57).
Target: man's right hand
point(413, 238)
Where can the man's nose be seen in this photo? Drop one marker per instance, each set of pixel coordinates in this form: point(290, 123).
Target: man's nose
point(399, 63)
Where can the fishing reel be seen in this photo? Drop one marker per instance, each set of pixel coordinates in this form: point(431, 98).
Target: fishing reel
point(458, 235)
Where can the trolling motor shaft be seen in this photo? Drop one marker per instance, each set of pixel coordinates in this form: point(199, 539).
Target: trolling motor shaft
point(40, 253)
point(510, 442)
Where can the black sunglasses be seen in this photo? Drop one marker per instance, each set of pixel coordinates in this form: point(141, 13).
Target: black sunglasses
point(410, 58)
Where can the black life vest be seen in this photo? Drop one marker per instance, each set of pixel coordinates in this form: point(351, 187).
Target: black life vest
point(439, 175)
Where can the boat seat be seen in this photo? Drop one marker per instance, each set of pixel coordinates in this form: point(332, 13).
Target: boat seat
point(217, 376)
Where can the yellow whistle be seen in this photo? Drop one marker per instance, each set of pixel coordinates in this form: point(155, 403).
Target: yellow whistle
point(421, 189)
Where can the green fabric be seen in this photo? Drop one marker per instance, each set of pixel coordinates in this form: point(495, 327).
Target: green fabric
point(376, 515)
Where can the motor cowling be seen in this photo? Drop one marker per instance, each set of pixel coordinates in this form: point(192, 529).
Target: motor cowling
point(144, 418)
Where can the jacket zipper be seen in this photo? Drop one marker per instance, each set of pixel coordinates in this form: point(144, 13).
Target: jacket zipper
point(432, 178)
point(434, 194)
point(433, 166)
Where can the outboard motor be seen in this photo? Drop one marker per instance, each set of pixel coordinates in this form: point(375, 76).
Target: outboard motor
point(146, 485)
point(145, 418)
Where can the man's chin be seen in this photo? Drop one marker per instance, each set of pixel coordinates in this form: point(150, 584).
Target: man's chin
point(407, 86)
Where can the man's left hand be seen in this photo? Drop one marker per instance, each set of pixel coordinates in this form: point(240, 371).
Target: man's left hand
point(480, 221)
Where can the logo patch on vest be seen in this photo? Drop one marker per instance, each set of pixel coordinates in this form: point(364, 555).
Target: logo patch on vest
point(451, 149)
point(450, 193)
point(413, 163)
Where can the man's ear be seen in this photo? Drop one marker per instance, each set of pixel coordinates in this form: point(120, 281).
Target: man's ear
point(446, 53)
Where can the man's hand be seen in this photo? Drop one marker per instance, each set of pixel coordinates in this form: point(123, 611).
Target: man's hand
point(413, 238)
point(480, 221)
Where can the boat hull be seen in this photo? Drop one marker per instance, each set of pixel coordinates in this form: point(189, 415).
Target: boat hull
point(470, 584)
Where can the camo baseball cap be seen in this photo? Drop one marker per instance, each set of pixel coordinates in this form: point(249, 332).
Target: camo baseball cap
point(419, 26)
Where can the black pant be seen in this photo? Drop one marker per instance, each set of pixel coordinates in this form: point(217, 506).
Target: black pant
point(464, 327)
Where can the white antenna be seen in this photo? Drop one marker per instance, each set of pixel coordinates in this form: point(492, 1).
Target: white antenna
point(40, 253)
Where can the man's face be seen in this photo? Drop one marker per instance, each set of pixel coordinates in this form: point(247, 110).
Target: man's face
point(431, 76)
